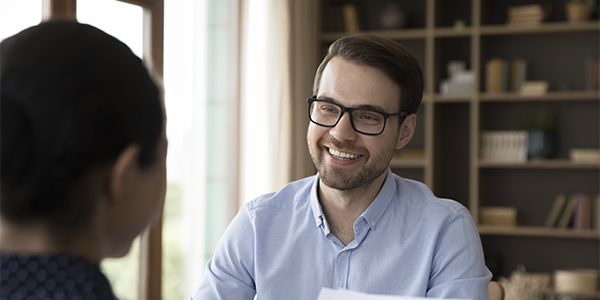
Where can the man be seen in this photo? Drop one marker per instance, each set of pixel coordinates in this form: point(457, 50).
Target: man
point(355, 225)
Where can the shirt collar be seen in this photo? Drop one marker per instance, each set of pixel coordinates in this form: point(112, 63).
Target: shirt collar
point(372, 214)
point(314, 203)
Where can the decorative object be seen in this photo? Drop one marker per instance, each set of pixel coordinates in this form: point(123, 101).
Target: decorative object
point(541, 135)
point(576, 281)
point(393, 17)
point(579, 10)
point(534, 88)
point(499, 216)
point(585, 156)
point(527, 286)
point(460, 81)
point(459, 25)
point(508, 146)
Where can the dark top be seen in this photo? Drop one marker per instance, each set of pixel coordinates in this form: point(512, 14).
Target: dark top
point(56, 277)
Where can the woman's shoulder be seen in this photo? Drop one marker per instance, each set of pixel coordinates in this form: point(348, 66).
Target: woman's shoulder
point(51, 276)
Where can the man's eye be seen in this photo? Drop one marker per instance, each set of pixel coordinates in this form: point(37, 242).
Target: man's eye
point(369, 117)
point(329, 109)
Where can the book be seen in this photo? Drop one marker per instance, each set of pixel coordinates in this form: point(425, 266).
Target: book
point(350, 18)
point(567, 213)
point(517, 74)
point(595, 222)
point(582, 214)
point(592, 73)
point(596, 76)
point(555, 210)
point(496, 71)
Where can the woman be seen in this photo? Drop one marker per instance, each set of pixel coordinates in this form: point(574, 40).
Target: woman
point(83, 152)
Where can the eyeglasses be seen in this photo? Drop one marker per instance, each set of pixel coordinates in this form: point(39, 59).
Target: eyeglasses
point(365, 121)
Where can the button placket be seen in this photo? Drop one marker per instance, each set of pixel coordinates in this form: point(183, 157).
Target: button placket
point(340, 276)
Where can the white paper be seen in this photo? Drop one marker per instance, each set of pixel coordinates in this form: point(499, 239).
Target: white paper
point(331, 294)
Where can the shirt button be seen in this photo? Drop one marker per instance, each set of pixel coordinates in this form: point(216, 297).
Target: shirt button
point(372, 223)
point(343, 253)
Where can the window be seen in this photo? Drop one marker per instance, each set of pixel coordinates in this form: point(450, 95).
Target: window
point(18, 15)
point(201, 92)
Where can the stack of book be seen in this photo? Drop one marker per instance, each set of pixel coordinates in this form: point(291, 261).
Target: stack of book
point(504, 76)
point(578, 211)
point(527, 15)
point(504, 146)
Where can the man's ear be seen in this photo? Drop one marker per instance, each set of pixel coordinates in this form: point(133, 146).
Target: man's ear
point(123, 171)
point(407, 130)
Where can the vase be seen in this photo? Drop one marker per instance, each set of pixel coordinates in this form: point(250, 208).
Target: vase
point(393, 17)
point(541, 144)
point(577, 12)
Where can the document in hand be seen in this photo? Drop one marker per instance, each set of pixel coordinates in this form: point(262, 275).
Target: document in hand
point(330, 294)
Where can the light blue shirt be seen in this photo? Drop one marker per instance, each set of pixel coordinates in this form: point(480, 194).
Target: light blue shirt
point(407, 242)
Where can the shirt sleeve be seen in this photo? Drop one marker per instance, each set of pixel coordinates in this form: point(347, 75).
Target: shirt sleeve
point(458, 267)
point(229, 274)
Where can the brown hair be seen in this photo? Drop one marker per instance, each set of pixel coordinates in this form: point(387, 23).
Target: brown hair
point(386, 55)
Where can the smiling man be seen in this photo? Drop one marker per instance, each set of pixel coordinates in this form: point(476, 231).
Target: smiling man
point(355, 225)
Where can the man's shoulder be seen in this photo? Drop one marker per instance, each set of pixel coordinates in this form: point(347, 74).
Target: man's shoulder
point(285, 198)
point(419, 195)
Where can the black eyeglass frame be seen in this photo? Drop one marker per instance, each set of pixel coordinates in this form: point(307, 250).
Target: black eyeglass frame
point(350, 110)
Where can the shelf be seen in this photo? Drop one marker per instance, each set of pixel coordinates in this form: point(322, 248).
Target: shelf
point(540, 164)
point(421, 33)
point(452, 32)
point(555, 27)
point(408, 162)
point(451, 98)
point(558, 96)
point(406, 34)
point(550, 96)
point(532, 231)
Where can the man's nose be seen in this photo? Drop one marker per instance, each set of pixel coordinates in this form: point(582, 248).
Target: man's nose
point(343, 129)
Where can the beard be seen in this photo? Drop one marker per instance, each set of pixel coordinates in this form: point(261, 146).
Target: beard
point(340, 178)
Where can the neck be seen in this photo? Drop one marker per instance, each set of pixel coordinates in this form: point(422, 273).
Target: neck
point(348, 205)
point(38, 238)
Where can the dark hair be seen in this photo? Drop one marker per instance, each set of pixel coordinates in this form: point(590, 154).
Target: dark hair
point(72, 98)
point(384, 54)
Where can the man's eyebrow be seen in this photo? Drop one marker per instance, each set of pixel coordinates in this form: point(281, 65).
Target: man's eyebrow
point(376, 108)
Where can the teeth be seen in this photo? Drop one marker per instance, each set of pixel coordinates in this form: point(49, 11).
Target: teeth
point(342, 155)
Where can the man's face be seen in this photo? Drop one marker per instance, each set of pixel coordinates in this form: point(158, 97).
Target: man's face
point(345, 158)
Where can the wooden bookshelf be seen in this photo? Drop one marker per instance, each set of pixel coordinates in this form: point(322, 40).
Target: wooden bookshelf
point(451, 125)
point(533, 231)
point(541, 164)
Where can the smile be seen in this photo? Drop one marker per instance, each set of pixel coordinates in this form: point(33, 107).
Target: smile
point(342, 155)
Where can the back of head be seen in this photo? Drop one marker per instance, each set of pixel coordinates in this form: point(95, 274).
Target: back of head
point(386, 55)
point(72, 98)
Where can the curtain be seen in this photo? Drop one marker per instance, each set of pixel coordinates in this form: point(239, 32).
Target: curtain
point(279, 58)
